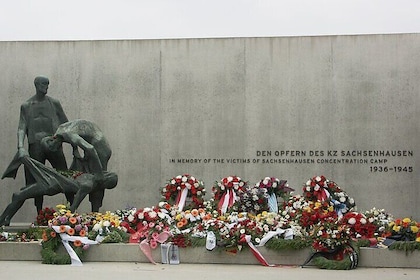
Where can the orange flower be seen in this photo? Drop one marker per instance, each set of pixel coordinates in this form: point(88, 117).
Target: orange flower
point(82, 233)
point(184, 221)
point(398, 222)
point(207, 217)
point(44, 236)
point(62, 228)
point(201, 210)
point(180, 224)
point(53, 234)
point(167, 206)
point(71, 231)
point(73, 220)
point(194, 212)
point(77, 243)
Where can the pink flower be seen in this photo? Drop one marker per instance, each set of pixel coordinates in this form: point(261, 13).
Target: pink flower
point(155, 235)
point(153, 244)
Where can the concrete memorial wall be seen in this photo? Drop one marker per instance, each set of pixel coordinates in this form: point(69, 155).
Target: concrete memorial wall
point(346, 107)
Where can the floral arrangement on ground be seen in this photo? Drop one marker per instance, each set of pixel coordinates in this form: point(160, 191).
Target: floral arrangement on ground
point(238, 216)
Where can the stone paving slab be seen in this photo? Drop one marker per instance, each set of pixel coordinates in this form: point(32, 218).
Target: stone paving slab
point(132, 270)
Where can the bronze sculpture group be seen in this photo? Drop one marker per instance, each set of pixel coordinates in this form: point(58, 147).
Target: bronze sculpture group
point(43, 122)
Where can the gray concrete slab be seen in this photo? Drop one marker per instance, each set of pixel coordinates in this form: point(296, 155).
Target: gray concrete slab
point(127, 270)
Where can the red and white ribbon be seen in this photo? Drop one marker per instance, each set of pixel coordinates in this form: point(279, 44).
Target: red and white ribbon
point(227, 201)
point(255, 252)
point(181, 198)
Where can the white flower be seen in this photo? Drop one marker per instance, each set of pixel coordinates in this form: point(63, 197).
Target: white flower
point(184, 179)
point(107, 223)
point(173, 182)
point(188, 185)
point(342, 199)
point(363, 221)
point(274, 185)
point(316, 188)
point(308, 188)
point(241, 184)
point(308, 183)
point(230, 179)
point(196, 184)
point(152, 214)
point(130, 218)
point(352, 221)
point(97, 227)
point(257, 240)
point(242, 231)
point(265, 182)
point(318, 179)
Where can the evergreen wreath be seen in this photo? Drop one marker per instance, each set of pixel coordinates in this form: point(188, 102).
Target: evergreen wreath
point(50, 247)
point(344, 258)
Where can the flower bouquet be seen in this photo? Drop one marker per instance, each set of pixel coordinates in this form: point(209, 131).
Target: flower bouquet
point(360, 226)
point(151, 221)
point(184, 191)
point(105, 228)
point(321, 189)
point(69, 229)
point(330, 236)
point(317, 213)
point(252, 199)
point(275, 188)
point(404, 230)
point(381, 219)
point(44, 215)
point(225, 193)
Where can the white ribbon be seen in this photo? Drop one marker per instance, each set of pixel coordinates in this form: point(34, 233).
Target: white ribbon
point(288, 234)
point(272, 203)
point(182, 199)
point(65, 238)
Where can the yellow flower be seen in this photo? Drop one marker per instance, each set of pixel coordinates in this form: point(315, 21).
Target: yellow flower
point(396, 228)
point(406, 220)
point(414, 229)
point(418, 239)
point(178, 217)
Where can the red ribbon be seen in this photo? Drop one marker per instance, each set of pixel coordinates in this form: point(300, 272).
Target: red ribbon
point(255, 252)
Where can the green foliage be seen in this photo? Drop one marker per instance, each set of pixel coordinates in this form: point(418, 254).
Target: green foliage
point(279, 244)
point(50, 254)
point(407, 246)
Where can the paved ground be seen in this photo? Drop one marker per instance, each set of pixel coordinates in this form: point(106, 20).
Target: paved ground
point(112, 270)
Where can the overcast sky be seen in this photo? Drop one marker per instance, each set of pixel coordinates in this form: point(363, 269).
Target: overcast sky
point(157, 19)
